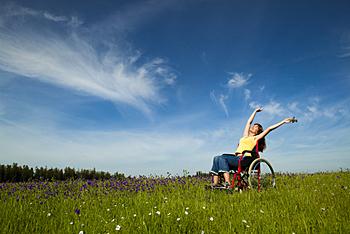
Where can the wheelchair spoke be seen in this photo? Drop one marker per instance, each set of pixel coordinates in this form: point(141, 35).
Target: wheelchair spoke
point(261, 175)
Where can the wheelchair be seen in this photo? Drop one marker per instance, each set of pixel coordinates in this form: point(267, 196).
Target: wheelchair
point(252, 173)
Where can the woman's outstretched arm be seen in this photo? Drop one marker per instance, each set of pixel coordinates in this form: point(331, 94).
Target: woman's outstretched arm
point(250, 120)
point(272, 127)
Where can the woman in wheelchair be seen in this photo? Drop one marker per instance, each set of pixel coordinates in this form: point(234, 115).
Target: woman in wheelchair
point(252, 136)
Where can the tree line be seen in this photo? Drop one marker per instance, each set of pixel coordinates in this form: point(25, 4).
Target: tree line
point(16, 173)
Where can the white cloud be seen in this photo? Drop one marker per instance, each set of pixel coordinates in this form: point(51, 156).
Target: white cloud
point(73, 62)
point(220, 101)
point(132, 152)
point(247, 94)
point(238, 80)
point(317, 111)
point(13, 11)
point(254, 105)
point(313, 109)
point(272, 108)
point(293, 107)
point(55, 18)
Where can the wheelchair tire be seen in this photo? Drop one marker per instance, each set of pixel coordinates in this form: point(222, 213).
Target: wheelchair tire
point(260, 167)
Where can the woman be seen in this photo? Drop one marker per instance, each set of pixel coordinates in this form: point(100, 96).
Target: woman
point(251, 136)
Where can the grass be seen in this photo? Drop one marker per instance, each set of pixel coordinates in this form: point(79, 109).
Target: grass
point(302, 203)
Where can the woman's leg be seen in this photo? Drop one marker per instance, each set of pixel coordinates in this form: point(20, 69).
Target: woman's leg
point(215, 170)
point(215, 179)
point(227, 163)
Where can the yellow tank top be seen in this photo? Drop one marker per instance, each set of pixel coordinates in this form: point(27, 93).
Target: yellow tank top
point(246, 143)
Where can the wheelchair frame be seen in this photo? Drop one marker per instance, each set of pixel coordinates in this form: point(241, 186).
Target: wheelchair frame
point(252, 177)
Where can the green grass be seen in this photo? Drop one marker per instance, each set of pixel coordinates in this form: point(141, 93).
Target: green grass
point(315, 203)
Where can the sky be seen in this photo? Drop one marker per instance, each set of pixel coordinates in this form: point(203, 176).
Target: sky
point(162, 86)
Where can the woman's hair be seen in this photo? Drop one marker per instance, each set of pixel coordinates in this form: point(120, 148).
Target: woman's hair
point(262, 142)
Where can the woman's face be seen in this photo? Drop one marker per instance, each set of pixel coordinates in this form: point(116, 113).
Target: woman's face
point(254, 129)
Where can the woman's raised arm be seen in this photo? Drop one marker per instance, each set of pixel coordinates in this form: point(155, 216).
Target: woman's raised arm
point(272, 127)
point(250, 120)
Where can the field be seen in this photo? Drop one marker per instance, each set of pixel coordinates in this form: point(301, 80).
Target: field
point(301, 203)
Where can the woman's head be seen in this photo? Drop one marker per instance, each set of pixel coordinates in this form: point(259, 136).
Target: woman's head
point(256, 129)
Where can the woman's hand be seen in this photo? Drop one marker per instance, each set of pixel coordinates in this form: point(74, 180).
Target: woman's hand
point(290, 120)
point(258, 109)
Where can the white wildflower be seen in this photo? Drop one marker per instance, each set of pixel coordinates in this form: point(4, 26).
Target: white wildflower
point(178, 219)
point(187, 208)
point(118, 227)
point(248, 226)
point(186, 213)
point(81, 232)
point(108, 209)
point(158, 212)
point(203, 207)
point(71, 223)
point(48, 214)
point(169, 214)
point(323, 209)
point(149, 213)
point(122, 218)
point(134, 215)
point(244, 221)
point(211, 219)
point(112, 220)
point(261, 211)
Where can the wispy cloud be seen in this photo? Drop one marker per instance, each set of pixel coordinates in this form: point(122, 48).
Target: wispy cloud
point(72, 61)
point(309, 110)
point(134, 152)
point(345, 52)
point(247, 94)
point(220, 100)
point(272, 108)
point(238, 80)
point(9, 11)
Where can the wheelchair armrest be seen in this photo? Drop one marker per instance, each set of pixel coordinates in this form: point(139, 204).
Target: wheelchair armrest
point(247, 151)
point(252, 153)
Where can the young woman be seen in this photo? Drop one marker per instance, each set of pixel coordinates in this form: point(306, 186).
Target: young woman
point(251, 136)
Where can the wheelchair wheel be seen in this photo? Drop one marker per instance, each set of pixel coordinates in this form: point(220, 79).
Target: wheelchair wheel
point(261, 175)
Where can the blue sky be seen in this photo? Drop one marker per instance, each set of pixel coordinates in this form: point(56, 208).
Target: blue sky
point(149, 87)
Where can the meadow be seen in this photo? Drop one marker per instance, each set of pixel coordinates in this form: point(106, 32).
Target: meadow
point(301, 203)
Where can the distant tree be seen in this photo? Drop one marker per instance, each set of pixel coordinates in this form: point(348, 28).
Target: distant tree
point(16, 173)
point(2, 173)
